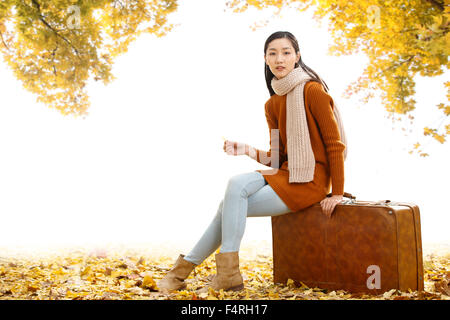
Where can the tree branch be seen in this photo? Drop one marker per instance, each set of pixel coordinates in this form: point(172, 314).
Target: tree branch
point(437, 4)
point(51, 28)
point(3, 41)
point(53, 60)
point(397, 65)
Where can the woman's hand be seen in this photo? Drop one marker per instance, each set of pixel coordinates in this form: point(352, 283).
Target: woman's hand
point(329, 203)
point(235, 148)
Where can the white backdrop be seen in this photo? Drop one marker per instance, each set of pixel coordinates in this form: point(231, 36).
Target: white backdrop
point(147, 165)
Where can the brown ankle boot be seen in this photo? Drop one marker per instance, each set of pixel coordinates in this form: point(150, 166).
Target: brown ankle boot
point(174, 279)
point(228, 276)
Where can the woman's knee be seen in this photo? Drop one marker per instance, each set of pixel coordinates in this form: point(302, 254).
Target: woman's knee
point(236, 184)
point(266, 202)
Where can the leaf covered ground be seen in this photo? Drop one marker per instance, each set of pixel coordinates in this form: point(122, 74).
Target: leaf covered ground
point(109, 273)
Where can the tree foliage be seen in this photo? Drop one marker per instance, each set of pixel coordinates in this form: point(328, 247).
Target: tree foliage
point(401, 38)
point(54, 47)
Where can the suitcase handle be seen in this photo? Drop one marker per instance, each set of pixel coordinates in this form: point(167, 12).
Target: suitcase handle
point(353, 200)
point(373, 203)
point(346, 194)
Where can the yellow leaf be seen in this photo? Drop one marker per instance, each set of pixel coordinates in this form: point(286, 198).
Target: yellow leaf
point(130, 283)
point(32, 288)
point(86, 271)
point(116, 273)
point(148, 282)
point(304, 286)
point(59, 271)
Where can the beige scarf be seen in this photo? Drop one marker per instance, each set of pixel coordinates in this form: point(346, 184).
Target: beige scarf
point(301, 161)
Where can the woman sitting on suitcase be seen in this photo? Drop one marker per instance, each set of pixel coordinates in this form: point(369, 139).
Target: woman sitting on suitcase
point(305, 127)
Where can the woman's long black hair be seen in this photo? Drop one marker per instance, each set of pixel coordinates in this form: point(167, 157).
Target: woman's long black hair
point(269, 75)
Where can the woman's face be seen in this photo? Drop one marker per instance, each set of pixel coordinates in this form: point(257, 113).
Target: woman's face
point(280, 57)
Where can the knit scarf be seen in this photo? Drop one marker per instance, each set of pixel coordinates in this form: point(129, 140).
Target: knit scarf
point(301, 161)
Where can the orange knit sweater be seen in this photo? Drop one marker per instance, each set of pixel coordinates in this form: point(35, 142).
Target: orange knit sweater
point(326, 144)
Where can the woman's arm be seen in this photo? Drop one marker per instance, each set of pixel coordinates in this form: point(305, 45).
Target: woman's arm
point(265, 157)
point(321, 106)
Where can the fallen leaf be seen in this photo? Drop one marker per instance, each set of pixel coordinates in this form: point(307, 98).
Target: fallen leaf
point(149, 283)
point(389, 293)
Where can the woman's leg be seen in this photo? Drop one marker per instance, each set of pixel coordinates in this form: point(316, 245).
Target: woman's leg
point(266, 202)
point(247, 194)
point(237, 191)
point(260, 203)
point(210, 240)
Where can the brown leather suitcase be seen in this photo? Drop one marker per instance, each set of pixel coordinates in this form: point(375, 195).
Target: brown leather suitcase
point(367, 247)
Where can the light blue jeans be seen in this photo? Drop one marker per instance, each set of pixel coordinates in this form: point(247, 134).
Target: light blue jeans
point(247, 195)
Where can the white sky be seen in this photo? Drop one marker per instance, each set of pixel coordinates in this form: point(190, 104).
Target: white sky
point(147, 164)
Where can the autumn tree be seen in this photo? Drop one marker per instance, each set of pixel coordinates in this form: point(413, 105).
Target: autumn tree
point(54, 47)
point(401, 38)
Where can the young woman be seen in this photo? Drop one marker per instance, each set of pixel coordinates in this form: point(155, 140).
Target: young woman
point(302, 111)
